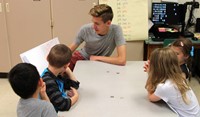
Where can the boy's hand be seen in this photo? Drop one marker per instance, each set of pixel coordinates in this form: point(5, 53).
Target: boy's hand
point(43, 88)
point(70, 93)
point(73, 91)
point(43, 93)
point(94, 58)
point(75, 96)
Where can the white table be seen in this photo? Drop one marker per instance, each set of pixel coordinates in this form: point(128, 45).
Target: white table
point(108, 90)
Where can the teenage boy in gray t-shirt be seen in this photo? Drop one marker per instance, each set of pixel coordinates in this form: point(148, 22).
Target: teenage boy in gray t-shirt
point(101, 38)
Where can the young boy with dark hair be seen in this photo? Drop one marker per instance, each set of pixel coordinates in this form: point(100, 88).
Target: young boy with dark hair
point(26, 82)
point(59, 78)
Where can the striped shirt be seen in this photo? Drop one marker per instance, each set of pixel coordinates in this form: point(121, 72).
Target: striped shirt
point(56, 87)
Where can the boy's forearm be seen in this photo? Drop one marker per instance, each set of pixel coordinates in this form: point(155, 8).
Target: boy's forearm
point(44, 96)
point(70, 74)
point(74, 99)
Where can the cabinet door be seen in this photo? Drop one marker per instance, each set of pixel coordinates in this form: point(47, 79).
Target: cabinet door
point(4, 48)
point(68, 16)
point(29, 25)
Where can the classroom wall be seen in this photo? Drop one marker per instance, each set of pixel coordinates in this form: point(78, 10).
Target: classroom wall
point(69, 24)
point(134, 50)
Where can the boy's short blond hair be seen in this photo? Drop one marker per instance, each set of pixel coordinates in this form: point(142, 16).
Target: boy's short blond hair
point(102, 10)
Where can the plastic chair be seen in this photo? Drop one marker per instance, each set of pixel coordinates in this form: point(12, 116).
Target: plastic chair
point(167, 42)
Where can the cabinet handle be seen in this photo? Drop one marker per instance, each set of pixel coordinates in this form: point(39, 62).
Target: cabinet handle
point(0, 7)
point(7, 7)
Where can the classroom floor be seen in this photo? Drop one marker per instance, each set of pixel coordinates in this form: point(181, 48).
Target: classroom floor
point(8, 99)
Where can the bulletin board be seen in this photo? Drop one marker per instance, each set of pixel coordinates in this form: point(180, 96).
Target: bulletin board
point(132, 16)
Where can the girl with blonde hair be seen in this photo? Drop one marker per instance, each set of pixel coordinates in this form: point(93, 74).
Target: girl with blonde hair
point(166, 82)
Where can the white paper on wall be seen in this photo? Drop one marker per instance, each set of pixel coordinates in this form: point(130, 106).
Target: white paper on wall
point(132, 16)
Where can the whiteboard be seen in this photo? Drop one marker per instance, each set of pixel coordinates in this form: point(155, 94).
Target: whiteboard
point(132, 16)
point(37, 55)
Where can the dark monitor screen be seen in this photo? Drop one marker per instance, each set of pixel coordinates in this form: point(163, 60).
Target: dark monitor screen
point(166, 13)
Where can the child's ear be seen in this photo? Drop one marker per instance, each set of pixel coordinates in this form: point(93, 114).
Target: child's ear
point(40, 82)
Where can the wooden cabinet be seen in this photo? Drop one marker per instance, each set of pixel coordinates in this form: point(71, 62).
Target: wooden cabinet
point(28, 24)
point(5, 62)
point(24, 24)
point(148, 48)
point(68, 16)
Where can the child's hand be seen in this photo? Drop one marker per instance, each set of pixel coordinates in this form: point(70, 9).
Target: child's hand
point(70, 93)
point(74, 94)
point(146, 66)
point(93, 58)
point(43, 93)
point(73, 91)
point(43, 87)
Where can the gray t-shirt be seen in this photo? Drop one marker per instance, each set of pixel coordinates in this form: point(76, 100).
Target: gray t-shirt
point(99, 45)
point(35, 108)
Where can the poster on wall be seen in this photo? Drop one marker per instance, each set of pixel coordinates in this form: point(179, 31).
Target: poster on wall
point(132, 16)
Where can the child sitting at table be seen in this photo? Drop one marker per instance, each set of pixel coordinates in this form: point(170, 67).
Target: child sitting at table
point(184, 51)
point(166, 82)
point(26, 82)
point(59, 78)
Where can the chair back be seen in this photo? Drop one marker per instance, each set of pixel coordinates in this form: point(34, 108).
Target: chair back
point(167, 42)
